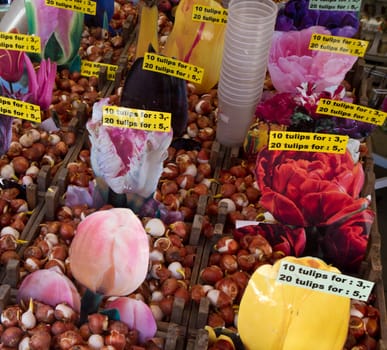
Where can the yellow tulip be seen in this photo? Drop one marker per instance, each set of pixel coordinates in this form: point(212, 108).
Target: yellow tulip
point(147, 34)
point(276, 316)
point(198, 43)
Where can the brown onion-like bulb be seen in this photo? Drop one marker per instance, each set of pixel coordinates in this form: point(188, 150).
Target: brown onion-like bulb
point(11, 336)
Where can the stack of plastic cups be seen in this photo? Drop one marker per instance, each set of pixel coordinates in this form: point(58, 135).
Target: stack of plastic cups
point(249, 32)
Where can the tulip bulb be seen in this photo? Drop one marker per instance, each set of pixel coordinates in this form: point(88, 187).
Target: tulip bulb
point(28, 319)
point(155, 227)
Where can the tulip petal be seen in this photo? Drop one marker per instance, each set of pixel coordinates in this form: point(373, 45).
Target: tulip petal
point(60, 35)
point(136, 314)
point(292, 63)
point(282, 208)
point(128, 160)
point(51, 287)
point(110, 252)
point(345, 245)
point(195, 41)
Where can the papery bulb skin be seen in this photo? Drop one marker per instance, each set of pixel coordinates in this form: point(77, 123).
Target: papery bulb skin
point(278, 316)
point(110, 252)
point(137, 315)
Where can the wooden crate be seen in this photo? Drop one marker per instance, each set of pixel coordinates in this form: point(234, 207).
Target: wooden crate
point(172, 335)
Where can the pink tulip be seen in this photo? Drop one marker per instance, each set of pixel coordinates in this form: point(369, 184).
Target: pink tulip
point(40, 82)
point(136, 314)
point(51, 287)
point(110, 252)
point(11, 65)
point(291, 63)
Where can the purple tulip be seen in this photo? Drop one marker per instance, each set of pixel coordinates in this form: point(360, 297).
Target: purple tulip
point(295, 15)
point(5, 133)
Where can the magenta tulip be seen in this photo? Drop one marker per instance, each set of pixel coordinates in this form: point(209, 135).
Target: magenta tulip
point(40, 83)
point(110, 252)
point(51, 287)
point(11, 64)
point(136, 314)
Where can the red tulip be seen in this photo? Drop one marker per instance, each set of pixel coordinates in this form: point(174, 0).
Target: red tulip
point(110, 252)
point(290, 241)
point(345, 243)
point(307, 188)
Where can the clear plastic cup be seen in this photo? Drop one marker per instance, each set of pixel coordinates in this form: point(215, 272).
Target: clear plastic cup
point(248, 36)
point(233, 122)
point(240, 94)
point(241, 100)
point(248, 61)
point(250, 22)
point(250, 66)
point(265, 8)
point(246, 79)
point(253, 43)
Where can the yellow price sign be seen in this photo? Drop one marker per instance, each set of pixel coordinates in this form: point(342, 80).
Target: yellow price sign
point(307, 142)
point(132, 118)
point(173, 67)
point(338, 44)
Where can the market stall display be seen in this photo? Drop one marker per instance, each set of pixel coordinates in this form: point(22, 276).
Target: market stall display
point(186, 232)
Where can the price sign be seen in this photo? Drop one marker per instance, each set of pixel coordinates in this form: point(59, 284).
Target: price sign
point(136, 118)
point(20, 42)
point(173, 67)
point(307, 142)
point(335, 5)
point(351, 111)
point(91, 69)
point(202, 13)
point(338, 44)
point(84, 6)
point(20, 109)
point(324, 281)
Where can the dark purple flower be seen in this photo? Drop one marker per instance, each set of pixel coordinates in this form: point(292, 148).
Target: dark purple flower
point(344, 244)
point(5, 133)
point(295, 15)
point(353, 128)
point(277, 109)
